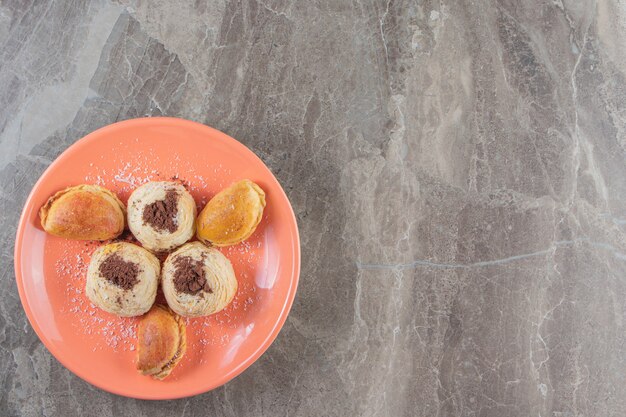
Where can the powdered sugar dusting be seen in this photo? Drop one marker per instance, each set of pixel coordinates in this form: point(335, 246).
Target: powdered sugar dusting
point(125, 179)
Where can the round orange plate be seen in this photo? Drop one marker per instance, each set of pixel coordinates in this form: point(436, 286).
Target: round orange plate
point(100, 347)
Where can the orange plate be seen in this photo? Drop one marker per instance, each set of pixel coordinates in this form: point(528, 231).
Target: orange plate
point(100, 347)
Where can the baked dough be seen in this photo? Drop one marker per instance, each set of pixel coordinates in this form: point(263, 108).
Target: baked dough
point(84, 212)
point(161, 342)
point(198, 281)
point(122, 279)
point(161, 215)
point(232, 215)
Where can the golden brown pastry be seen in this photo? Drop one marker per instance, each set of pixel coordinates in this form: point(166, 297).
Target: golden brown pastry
point(161, 342)
point(123, 279)
point(162, 215)
point(232, 215)
point(198, 281)
point(84, 212)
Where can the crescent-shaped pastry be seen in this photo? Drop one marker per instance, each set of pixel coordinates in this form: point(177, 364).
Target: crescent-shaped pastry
point(161, 215)
point(84, 212)
point(161, 342)
point(232, 215)
point(198, 281)
point(123, 279)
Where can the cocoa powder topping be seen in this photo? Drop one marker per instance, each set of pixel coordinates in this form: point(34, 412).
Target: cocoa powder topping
point(120, 272)
point(161, 214)
point(189, 276)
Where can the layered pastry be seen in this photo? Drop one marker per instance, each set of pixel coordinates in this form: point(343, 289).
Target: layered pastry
point(161, 215)
point(123, 279)
point(84, 212)
point(161, 342)
point(198, 281)
point(232, 215)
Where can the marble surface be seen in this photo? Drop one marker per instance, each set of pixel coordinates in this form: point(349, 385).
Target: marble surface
point(458, 170)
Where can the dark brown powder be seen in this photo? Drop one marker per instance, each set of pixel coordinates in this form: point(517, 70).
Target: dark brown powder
point(161, 214)
point(120, 272)
point(181, 181)
point(189, 276)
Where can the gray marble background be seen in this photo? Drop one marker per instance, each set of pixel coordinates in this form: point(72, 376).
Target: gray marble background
point(458, 170)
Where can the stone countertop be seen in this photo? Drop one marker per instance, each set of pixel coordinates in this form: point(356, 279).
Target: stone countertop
point(458, 171)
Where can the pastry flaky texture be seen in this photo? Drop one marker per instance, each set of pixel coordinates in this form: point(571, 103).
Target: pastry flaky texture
point(84, 212)
point(198, 281)
point(123, 279)
point(161, 342)
point(232, 215)
point(162, 215)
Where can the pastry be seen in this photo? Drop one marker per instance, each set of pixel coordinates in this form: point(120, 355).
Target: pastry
point(161, 215)
point(84, 212)
point(232, 215)
point(161, 342)
point(198, 281)
point(122, 279)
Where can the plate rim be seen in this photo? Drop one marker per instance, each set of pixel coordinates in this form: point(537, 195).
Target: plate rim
point(225, 378)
